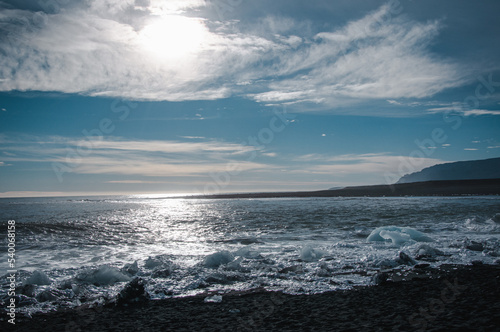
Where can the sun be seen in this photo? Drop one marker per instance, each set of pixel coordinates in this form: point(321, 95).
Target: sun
point(173, 37)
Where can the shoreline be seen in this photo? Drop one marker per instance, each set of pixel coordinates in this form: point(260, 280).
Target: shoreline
point(450, 297)
point(483, 187)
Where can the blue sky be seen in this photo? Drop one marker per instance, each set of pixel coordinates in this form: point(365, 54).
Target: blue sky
point(193, 96)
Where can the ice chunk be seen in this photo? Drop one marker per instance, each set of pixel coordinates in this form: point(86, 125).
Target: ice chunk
point(217, 259)
point(133, 292)
point(104, 275)
point(425, 251)
point(475, 246)
point(38, 278)
point(309, 254)
point(152, 262)
point(213, 299)
point(247, 252)
point(405, 259)
point(131, 269)
point(161, 266)
point(484, 226)
point(49, 295)
point(236, 265)
point(385, 263)
point(380, 278)
point(397, 235)
point(293, 269)
point(28, 290)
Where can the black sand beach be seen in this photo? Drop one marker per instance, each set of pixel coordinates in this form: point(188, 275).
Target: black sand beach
point(451, 298)
point(422, 189)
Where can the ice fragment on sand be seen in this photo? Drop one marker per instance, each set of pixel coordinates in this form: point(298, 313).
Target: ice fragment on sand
point(28, 290)
point(131, 269)
point(217, 259)
point(247, 252)
point(38, 278)
point(152, 262)
point(213, 299)
point(236, 265)
point(293, 269)
point(475, 246)
point(309, 254)
point(397, 235)
point(133, 292)
point(425, 251)
point(380, 278)
point(405, 259)
point(49, 295)
point(104, 275)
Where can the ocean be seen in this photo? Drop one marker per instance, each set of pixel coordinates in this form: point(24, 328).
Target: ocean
point(71, 251)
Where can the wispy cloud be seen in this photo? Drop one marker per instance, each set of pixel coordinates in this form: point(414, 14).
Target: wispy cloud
point(464, 112)
point(356, 61)
point(120, 48)
point(151, 162)
point(137, 182)
point(129, 157)
point(38, 194)
point(377, 165)
point(481, 112)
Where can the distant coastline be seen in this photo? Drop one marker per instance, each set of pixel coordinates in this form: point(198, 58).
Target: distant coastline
point(428, 188)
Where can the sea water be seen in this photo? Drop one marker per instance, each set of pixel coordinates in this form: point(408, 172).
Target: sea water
point(78, 250)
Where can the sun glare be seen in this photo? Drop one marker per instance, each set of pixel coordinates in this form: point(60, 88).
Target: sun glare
point(173, 37)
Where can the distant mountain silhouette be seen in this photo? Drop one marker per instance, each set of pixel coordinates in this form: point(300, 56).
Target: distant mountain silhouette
point(461, 170)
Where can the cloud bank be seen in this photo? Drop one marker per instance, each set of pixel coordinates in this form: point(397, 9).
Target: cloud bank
point(129, 157)
point(139, 161)
point(168, 51)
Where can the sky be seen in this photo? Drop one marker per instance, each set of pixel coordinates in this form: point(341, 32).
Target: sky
point(199, 96)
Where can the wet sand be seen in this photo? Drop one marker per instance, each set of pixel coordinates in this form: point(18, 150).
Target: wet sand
point(451, 298)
